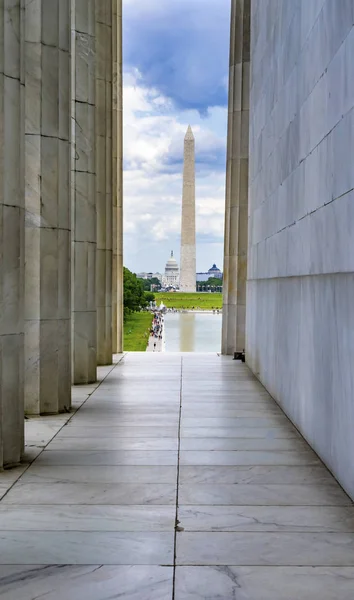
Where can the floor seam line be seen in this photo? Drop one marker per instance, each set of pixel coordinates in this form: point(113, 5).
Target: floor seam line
point(177, 485)
point(61, 428)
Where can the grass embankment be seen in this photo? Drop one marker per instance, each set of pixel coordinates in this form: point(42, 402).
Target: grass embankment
point(198, 300)
point(136, 331)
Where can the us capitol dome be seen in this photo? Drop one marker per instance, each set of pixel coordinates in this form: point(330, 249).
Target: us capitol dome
point(171, 276)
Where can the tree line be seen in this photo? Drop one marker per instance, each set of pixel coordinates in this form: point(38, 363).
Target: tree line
point(135, 298)
point(147, 283)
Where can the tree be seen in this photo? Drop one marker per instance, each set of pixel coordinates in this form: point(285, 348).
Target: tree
point(155, 281)
point(149, 296)
point(147, 283)
point(133, 292)
point(214, 281)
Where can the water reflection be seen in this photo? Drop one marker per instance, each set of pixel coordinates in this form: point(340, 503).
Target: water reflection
point(186, 332)
point(193, 332)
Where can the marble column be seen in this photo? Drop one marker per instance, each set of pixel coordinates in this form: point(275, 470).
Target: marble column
point(47, 206)
point(83, 188)
point(236, 214)
point(11, 233)
point(104, 180)
point(117, 191)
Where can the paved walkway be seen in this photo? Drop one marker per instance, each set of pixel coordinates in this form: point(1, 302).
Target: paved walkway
point(258, 516)
point(160, 343)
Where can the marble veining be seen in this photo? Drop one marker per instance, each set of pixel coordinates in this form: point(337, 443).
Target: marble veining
point(266, 518)
point(251, 494)
point(300, 222)
point(264, 583)
point(103, 443)
point(256, 474)
point(72, 431)
point(280, 548)
point(101, 474)
point(232, 458)
point(86, 517)
point(104, 457)
point(92, 582)
point(82, 548)
point(221, 443)
point(93, 516)
point(92, 493)
point(271, 433)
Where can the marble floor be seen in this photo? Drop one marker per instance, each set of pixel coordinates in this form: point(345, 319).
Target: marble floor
point(178, 477)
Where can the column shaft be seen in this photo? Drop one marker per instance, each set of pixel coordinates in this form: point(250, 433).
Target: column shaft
point(47, 204)
point(236, 215)
point(11, 233)
point(117, 191)
point(83, 212)
point(104, 180)
point(225, 310)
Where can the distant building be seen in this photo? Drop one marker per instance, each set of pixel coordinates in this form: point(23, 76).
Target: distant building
point(171, 276)
point(149, 276)
point(202, 276)
point(213, 272)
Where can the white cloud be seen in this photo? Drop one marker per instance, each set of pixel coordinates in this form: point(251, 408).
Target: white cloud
point(153, 150)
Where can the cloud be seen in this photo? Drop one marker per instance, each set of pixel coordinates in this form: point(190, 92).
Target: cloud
point(153, 153)
point(180, 48)
point(159, 103)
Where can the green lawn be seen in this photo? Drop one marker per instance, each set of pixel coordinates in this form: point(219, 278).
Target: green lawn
point(136, 331)
point(200, 300)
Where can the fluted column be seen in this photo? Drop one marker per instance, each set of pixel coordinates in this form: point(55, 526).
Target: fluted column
point(225, 309)
point(11, 233)
point(236, 214)
point(47, 204)
point(117, 191)
point(104, 180)
point(83, 214)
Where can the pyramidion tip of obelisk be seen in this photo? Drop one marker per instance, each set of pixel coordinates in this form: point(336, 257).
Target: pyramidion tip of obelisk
point(189, 135)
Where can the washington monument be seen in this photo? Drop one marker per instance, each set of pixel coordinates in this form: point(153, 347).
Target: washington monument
point(188, 260)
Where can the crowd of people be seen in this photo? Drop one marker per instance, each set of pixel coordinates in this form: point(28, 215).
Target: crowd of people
point(157, 328)
point(198, 308)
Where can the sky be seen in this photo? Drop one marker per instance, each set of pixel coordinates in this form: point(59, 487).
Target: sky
point(175, 73)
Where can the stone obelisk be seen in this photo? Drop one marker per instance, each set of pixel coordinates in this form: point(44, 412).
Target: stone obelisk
point(188, 259)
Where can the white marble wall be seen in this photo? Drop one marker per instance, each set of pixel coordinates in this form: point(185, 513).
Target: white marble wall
point(300, 309)
point(47, 204)
point(11, 234)
point(188, 251)
point(36, 106)
point(104, 180)
point(83, 217)
point(117, 174)
point(236, 221)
